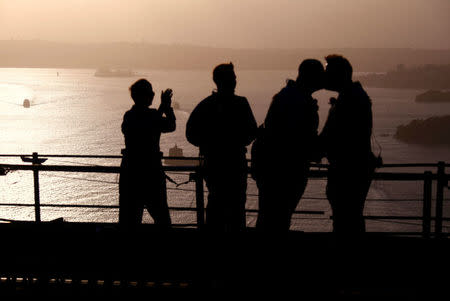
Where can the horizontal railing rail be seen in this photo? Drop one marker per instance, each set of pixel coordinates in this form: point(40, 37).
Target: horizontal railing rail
point(317, 171)
point(319, 165)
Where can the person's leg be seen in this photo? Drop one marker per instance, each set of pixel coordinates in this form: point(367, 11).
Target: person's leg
point(260, 219)
point(278, 199)
point(364, 182)
point(130, 207)
point(281, 197)
point(215, 211)
point(347, 194)
point(294, 197)
point(264, 206)
point(157, 202)
point(236, 198)
point(333, 196)
point(274, 209)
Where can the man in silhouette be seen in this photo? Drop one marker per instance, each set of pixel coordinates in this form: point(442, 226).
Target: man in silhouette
point(346, 140)
point(222, 125)
point(142, 179)
point(290, 136)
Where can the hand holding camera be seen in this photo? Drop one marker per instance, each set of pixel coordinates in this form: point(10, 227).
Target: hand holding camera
point(166, 99)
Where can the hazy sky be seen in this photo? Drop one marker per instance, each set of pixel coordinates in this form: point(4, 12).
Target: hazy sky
point(233, 23)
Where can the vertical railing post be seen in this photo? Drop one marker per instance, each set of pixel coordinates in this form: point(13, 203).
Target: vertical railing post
point(37, 201)
point(200, 199)
point(426, 220)
point(441, 182)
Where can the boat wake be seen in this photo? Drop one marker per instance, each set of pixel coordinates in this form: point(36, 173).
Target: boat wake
point(16, 95)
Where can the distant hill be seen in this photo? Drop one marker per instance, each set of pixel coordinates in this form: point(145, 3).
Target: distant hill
point(431, 96)
point(427, 76)
point(45, 54)
point(431, 131)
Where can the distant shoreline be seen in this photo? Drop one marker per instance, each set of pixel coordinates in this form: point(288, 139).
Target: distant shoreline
point(44, 54)
point(427, 76)
point(56, 69)
point(148, 69)
point(432, 131)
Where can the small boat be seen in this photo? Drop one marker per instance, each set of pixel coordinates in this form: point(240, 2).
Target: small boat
point(178, 153)
point(26, 103)
point(176, 106)
point(107, 72)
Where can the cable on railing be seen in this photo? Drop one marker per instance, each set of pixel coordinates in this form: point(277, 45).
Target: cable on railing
point(179, 184)
point(73, 162)
point(82, 179)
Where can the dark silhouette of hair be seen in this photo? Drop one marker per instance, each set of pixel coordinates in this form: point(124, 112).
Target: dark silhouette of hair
point(340, 65)
point(222, 72)
point(140, 90)
point(309, 66)
point(311, 73)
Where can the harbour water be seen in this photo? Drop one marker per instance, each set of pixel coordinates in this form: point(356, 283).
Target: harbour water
point(74, 112)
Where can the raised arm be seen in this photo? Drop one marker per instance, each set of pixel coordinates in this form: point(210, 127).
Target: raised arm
point(168, 122)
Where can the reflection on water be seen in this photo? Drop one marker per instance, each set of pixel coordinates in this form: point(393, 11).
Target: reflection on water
point(77, 113)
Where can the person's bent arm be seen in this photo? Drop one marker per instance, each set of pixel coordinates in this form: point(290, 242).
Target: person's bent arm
point(168, 121)
point(251, 125)
point(194, 128)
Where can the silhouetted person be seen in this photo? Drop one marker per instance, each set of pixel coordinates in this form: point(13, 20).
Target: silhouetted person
point(222, 125)
point(142, 179)
point(290, 136)
point(346, 140)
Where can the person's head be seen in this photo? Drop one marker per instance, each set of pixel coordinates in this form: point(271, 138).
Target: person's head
point(142, 92)
point(225, 78)
point(311, 75)
point(338, 72)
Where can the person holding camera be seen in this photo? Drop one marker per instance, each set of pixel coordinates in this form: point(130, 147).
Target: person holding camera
point(142, 179)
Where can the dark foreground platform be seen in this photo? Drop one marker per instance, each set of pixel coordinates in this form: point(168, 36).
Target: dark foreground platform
point(98, 259)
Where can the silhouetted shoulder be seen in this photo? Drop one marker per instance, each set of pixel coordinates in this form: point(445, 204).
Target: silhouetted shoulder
point(213, 99)
point(289, 88)
point(287, 104)
point(286, 91)
point(136, 114)
point(242, 100)
point(128, 118)
point(242, 106)
point(359, 94)
point(203, 105)
point(291, 93)
point(195, 125)
point(136, 118)
point(207, 100)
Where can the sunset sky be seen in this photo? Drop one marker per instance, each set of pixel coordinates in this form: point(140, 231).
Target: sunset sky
point(233, 23)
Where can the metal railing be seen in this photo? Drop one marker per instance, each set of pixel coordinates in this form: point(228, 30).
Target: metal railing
point(428, 177)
